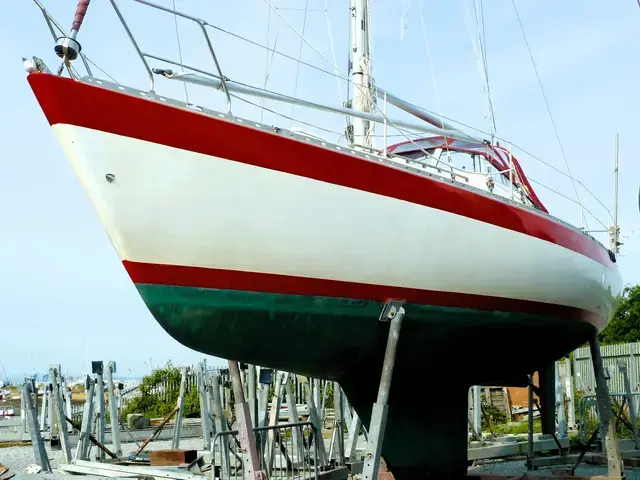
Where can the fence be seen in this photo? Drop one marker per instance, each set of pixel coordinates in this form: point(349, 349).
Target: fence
point(167, 390)
point(611, 354)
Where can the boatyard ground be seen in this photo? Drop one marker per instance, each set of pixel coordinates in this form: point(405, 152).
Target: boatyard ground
point(19, 458)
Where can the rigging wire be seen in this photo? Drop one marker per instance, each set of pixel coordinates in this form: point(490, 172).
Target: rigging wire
point(303, 40)
point(175, 18)
point(404, 18)
point(336, 68)
point(433, 72)
point(426, 44)
point(426, 110)
point(484, 36)
point(287, 117)
point(266, 63)
point(564, 156)
point(479, 48)
point(482, 40)
point(304, 27)
point(452, 120)
point(49, 17)
point(372, 65)
point(370, 90)
point(269, 60)
point(526, 152)
point(348, 127)
point(333, 52)
point(289, 57)
point(404, 134)
point(98, 67)
point(341, 75)
point(571, 200)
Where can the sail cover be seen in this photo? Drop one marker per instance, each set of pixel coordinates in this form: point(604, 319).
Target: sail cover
point(495, 154)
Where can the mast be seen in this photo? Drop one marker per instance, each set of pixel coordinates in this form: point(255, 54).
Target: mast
point(361, 72)
point(615, 180)
point(614, 232)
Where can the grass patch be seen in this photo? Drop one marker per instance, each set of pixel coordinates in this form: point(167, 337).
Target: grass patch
point(516, 428)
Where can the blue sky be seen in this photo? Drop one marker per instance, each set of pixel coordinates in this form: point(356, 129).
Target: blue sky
point(62, 283)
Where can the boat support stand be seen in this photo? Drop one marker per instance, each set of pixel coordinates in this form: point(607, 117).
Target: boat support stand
point(251, 463)
point(30, 405)
point(392, 312)
point(614, 459)
point(607, 430)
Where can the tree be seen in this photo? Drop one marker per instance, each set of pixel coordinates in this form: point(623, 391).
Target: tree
point(624, 327)
point(153, 403)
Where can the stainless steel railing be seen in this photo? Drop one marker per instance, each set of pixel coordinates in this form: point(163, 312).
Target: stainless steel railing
point(143, 55)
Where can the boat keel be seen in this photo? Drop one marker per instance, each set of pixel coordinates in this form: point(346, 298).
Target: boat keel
point(389, 429)
point(441, 450)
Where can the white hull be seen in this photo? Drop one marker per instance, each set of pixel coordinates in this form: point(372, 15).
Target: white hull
point(176, 207)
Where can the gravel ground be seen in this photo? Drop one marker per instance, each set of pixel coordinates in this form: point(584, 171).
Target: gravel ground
point(519, 466)
point(19, 458)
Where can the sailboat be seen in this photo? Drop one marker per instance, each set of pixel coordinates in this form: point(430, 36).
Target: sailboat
point(257, 243)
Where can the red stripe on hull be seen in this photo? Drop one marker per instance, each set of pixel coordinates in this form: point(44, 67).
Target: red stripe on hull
point(66, 101)
point(199, 277)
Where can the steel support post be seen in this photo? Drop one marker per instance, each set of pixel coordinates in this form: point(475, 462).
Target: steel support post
point(34, 389)
point(346, 409)
point(612, 446)
point(354, 435)
point(297, 433)
point(97, 368)
point(571, 413)
point(477, 413)
point(113, 409)
point(205, 419)
point(23, 413)
point(84, 444)
point(59, 414)
point(338, 421)
point(274, 414)
point(31, 414)
point(66, 395)
point(394, 312)
point(560, 410)
point(251, 463)
point(530, 425)
point(633, 374)
point(252, 390)
point(317, 397)
point(45, 406)
point(220, 425)
point(314, 418)
point(177, 424)
point(622, 366)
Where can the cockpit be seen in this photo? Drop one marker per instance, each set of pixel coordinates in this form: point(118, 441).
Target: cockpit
point(482, 165)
